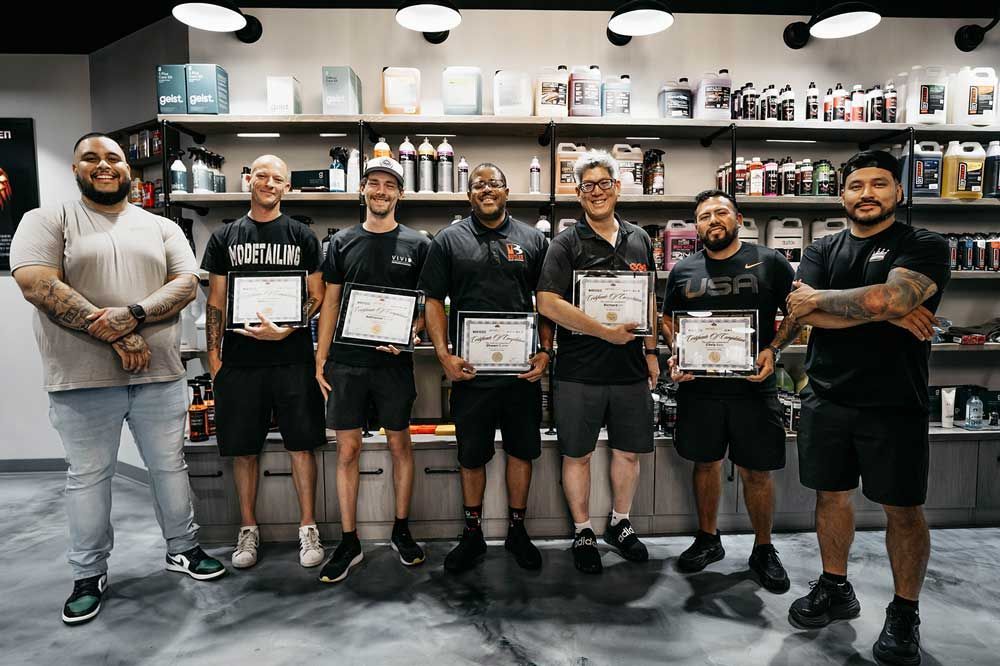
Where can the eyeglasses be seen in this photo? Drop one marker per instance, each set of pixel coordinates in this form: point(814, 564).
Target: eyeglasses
point(480, 185)
point(588, 186)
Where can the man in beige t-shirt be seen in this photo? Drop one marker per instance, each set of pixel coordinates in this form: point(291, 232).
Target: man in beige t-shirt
point(108, 280)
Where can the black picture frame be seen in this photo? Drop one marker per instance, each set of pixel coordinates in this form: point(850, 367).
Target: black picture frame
point(18, 179)
point(233, 276)
point(351, 288)
point(481, 370)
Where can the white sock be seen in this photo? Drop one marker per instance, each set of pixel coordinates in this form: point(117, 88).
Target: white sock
point(617, 517)
point(579, 527)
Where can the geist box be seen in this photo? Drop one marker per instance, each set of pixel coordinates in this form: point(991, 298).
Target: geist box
point(341, 91)
point(284, 95)
point(171, 89)
point(207, 89)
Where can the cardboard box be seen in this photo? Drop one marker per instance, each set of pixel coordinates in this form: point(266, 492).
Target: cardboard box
point(341, 91)
point(207, 89)
point(316, 180)
point(284, 95)
point(171, 89)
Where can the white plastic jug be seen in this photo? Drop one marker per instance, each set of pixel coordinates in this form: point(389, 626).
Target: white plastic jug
point(785, 236)
point(749, 233)
point(712, 99)
point(401, 90)
point(927, 99)
point(680, 239)
point(629, 160)
point(462, 91)
point(973, 98)
point(616, 97)
point(511, 93)
point(585, 91)
point(827, 227)
point(552, 92)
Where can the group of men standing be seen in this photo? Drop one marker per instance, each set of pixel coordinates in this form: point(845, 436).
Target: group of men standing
point(102, 290)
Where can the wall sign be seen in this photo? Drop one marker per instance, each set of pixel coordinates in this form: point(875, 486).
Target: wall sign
point(18, 179)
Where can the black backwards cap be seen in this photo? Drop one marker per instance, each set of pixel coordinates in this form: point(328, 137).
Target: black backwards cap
point(879, 159)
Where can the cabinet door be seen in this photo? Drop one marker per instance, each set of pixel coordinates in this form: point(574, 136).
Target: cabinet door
point(674, 493)
point(376, 494)
point(277, 501)
point(213, 489)
point(988, 495)
point(437, 485)
point(952, 480)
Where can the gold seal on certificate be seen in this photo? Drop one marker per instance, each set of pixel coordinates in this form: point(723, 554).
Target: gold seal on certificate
point(617, 297)
point(498, 343)
point(278, 295)
point(716, 344)
point(373, 316)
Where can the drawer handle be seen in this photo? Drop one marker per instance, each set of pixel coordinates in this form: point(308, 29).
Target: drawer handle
point(216, 475)
point(441, 470)
point(268, 472)
point(372, 472)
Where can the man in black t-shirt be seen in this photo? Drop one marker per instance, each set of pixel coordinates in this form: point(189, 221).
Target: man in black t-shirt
point(489, 262)
point(870, 294)
point(265, 368)
point(743, 415)
point(379, 252)
point(604, 376)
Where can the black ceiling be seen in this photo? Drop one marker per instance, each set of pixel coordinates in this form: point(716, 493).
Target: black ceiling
point(78, 28)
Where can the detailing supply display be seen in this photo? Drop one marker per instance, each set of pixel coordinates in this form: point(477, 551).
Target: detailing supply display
point(400, 90)
point(974, 251)
point(284, 95)
point(787, 177)
point(462, 91)
point(341, 91)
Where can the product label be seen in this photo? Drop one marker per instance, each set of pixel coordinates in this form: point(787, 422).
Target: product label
point(927, 174)
point(970, 176)
point(509, 94)
point(771, 181)
point(741, 182)
point(932, 99)
point(788, 110)
point(788, 182)
point(400, 92)
point(824, 182)
point(890, 109)
point(566, 176)
point(676, 105)
point(681, 247)
point(553, 94)
point(790, 247)
point(757, 182)
point(617, 102)
point(461, 91)
point(806, 185)
point(716, 97)
point(980, 100)
point(586, 93)
point(750, 107)
point(812, 108)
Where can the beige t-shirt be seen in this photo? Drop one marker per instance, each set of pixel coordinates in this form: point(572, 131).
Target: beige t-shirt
point(111, 260)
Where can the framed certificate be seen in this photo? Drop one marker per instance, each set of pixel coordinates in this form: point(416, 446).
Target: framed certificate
point(374, 316)
point(498, 343)
point(278, 295)
point(617, 297)
point(721, 343)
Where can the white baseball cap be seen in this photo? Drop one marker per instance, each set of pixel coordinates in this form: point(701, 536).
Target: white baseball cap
point(385, 165)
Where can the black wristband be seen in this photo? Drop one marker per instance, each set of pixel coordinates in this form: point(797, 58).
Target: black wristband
point(547, 350)
point(653, 352)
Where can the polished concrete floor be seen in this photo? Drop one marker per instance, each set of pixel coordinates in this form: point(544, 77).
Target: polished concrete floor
point(384, 614)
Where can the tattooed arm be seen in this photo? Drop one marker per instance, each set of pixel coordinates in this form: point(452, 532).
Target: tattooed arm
point(317, 289)
point(166, 302)
point(903, 292)
point(215, 313)
point(788, 331)
point(43, 287)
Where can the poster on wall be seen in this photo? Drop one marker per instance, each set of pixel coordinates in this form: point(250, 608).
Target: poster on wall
point(18, 179)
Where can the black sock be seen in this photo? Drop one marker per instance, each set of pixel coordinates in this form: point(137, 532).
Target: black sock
point(906, 603)
point(473, 517)
point(350, 539)
point(516, 516)
point(706, 535)
point(401, 525)
point(836, 579)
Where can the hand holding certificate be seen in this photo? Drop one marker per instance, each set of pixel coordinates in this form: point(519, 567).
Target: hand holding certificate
point(499, 343)
point(373, 316)
point(269, 298)
point(716, 344)
point(616, 297)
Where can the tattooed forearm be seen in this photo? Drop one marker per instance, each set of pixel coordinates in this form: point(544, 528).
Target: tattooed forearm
point(132, 343)
point(900, 295)
point(213, 328)
point(309, 307)
point(167, 301)
point(788, 331)
point(63, 304)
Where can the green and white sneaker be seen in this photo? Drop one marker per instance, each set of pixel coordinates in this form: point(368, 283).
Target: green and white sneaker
point(196, 563)
point(85, 602)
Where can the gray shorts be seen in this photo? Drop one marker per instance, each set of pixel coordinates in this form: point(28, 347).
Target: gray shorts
point(582, 409)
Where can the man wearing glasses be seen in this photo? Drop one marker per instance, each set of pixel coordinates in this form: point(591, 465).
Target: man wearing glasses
point(489, 262)
point(603, 376)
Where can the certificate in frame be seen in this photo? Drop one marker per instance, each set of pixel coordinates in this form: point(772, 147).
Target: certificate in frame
point(278, 293)
point(617, 297)
point(718, 343)
point(498, 343)
point(377, 316)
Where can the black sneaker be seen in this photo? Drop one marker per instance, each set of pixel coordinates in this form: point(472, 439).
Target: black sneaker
point(825, 603)
point(347, 556)
point(85, 602)
point(468, 553)
point(707, 548)
point(410, 553)
point(586, 557)
point(765, 563)
point(899, 642)
point(196, 563)
point(519, 544)
point(622, 538)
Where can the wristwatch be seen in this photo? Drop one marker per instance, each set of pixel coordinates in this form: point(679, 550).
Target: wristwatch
point(138, 312)
point(653, 351)
point(776, 351)
point(547, 350)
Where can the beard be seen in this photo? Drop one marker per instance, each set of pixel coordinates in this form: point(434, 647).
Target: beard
point(103, 198)
point(380, 208)
point(872, 221)
point(719, 243)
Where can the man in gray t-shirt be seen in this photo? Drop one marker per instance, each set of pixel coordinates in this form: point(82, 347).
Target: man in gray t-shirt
point(108, 281)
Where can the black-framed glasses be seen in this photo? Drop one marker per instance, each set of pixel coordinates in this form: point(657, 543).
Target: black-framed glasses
point(605, 184)
point(480, 185)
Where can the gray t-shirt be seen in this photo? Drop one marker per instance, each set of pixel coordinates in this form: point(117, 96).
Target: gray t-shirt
point(111, 260)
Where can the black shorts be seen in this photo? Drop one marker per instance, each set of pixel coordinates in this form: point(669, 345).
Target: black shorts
point(887, 447)
point(390, 390)
point(245, 398)
point(515, 408)
point(751, 428)
point(583, 409)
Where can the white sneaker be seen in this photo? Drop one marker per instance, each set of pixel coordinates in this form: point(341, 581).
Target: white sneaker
point(311, 551)
point(247, 542)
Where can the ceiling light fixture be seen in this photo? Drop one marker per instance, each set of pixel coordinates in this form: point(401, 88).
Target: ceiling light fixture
point(219, 16)
point(638, 18)
point(259, 135)
point(968, 37)
point(840, 19)
point(434, 18)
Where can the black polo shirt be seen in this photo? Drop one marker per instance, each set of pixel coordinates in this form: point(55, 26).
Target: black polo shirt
point(483, 269)
point(583, 358)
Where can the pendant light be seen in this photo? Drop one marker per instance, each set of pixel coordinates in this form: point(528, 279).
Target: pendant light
point(434, 18)
point(219, 16)
point(638, 18)
point(968, 37)
point(841, 19)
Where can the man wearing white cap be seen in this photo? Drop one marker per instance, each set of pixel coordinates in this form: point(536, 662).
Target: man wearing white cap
point(379, 252)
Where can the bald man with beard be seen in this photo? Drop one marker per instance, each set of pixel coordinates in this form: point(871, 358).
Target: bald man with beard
point(265, 367)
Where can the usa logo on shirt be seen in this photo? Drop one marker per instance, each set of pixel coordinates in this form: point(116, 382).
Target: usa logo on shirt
point(514, 252)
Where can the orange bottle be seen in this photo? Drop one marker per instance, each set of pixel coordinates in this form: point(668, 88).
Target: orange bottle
point(197, 415)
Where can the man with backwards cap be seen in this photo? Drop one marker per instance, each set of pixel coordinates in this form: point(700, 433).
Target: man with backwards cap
point(378, 252)
point(869, 293)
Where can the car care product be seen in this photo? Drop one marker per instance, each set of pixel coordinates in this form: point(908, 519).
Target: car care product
point(201, 176)
point(197, 415)
point(812, 102)
point(974, 412)
point(674, 99)
point(927, 98)
point(827, 227)
point(736, 103)
point(381, 149)
point(178, 174)
point(890, 103)
point(206, 382)
point(425, 171)
point(749, 102)
point(755, 176)
point(535, 177)
point(749, 233)
point(974, 97)
point(585, 91)
point(991, 172)
point(773, 100)
point(824, 179)
point(658, 254)
point(552, 92)
point(616, 96)
point(741, 176)
point(630, 167)
point(653, 172)
point(876, 105)
point(445, 167)
point(207, 89)
point(354, 171)
point(786, 182)
point(408, 160)
point(220, 180)
point(804, 178)
point(712, 98)
point(785, 236)
point(787, 109)
point(962, 173)
point(171, 89)
point(463, 175)
point(341, 91)
point(244, 179)
point(135, 191)
point(566, 156)
point(543, 225)
point(841, 103)
point(462, 91)
point(926, 161)
point(857, 113)
point(771, 177)
point(284, 95)
point(400, 90)
point(512, 94)
point(680, 239)
point(338, 169)
point(828, 105)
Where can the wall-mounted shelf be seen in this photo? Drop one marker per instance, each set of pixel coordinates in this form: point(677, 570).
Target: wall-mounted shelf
point(455, 199)
point(975, 275)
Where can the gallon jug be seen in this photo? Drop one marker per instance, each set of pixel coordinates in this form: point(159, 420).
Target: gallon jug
point(991, 179)
point(616, 97)
point(927, 99)
point(511, 93)
point(680, 239)
point(585, 91)
point(401, 90)
point(827, 227)
point(749, 233)
point(973, 97)
point(674, 99)
point(462, 91)
point(712, 99)
point(962, 174)
point(927, 169)
point(785, 236)
point(552, 92)
point(566, 156)
point(629, 167)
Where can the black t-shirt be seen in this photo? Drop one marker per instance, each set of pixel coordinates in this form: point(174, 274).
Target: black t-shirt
point(390, 259)
point(282, 244)
point(584, 358)
point(755, 278)
point(483, 269)
point(876, 364)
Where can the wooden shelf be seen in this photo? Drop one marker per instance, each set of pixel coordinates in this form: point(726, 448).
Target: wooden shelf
point(453, 199)
point(975, 275)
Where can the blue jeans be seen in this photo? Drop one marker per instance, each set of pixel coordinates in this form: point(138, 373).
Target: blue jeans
point(89, 421)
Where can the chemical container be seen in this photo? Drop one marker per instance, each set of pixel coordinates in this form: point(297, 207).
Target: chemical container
point(827, 227)
point(401, 90)
point(962, 173)
point(511, 93)
point(566, 156)
point(749, 233)
point(674, 99)
point(927, 164)
point(973, 97)
point(680, 239)
point(629, 167)
point(585, 91)
point(462, 91)
point(927, 99)
point(785, 236)
point(713, 96)
point(616, 96)
point(552, 92)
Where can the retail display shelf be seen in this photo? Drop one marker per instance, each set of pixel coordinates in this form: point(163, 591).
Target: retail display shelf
point(975, 275)
point(154, 160)
point(452, 199)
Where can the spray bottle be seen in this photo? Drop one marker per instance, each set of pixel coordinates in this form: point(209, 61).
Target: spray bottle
point(201, 176)
point(178, 174)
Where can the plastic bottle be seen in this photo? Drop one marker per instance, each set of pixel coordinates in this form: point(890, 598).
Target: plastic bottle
point(566, 156)
point(991, 177)
point(827, 227)
point(927, 162)
point(463, 175)
point(674, 99)
point(552, 92)
point(462, 91)
point(543, 225)
point(876, 105)
point(974, 97)
point(927, 100)
point(382, 149)
point(135, 191)
point(653, 172)
point(244, 179)
point(712, 99)
point(974, 412)
point(771, 177)
point(749, 233)
point(425, 169)
point(535, 177)
point(511, 93)
point(812, 102)
point(890, 103)
point(400, 90)
point(616, 96)
point(773, 99)
point(788, 104)
point(354, 171)
point(840, 103)
point(749, 102)
point(736, 103)
point(785, 236)
point(445, 167)
point(197, 415)
point(585, 91)
point(408, 160)
point(786, 184)
point(857, 104)
point(338, 170)
point(201, 176)
point(755, 175)
point(741, 176)
point(630, 167)
point(828, 105)
point(805, 178)
point(179, 174)
point(680, 239)
point(784, 380)
point(962, 174)
point(206, 383)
